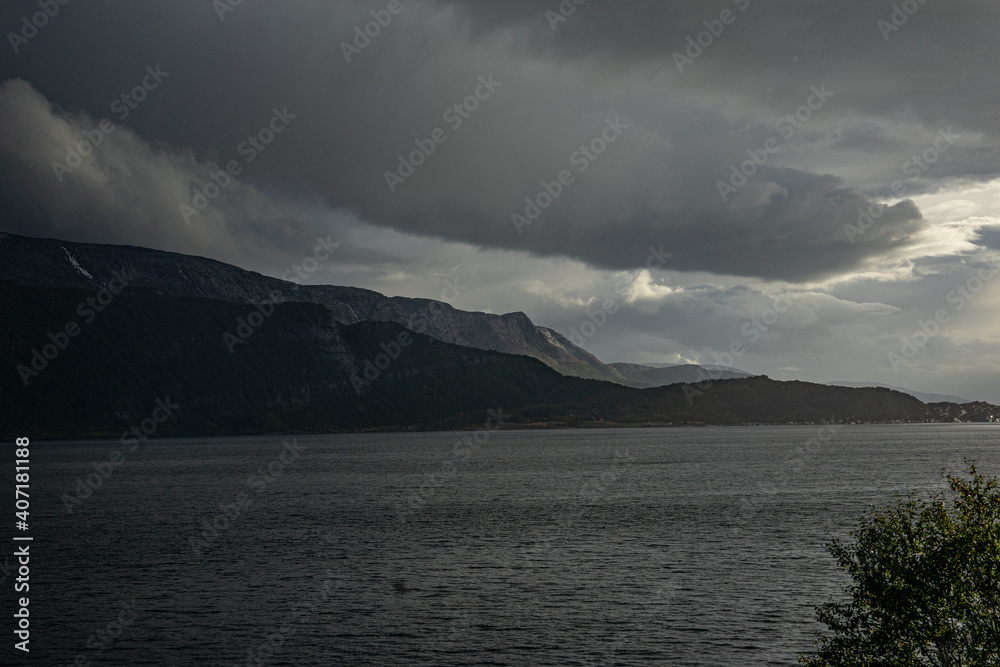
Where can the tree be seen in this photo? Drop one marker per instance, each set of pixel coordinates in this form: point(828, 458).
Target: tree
point(925, 586)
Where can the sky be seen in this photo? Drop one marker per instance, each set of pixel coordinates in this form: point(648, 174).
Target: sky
point(803, 189)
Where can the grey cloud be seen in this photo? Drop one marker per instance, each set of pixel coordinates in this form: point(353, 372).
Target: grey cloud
point(125, 190)
point(354, 120)
point(990, 237)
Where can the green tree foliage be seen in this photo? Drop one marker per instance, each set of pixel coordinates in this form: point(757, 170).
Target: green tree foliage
point(925, 586)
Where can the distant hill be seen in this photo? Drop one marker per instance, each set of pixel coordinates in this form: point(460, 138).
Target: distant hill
point(925, 397)
point(710, 367)
point(643, 376)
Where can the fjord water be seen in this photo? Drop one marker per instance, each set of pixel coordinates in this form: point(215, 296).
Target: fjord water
point(580, 547)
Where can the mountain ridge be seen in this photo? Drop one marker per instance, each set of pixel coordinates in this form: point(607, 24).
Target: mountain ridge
point(298, 370)
point(921, 395)
point(57, 263)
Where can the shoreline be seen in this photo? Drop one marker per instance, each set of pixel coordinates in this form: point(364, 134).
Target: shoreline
point(527, 426)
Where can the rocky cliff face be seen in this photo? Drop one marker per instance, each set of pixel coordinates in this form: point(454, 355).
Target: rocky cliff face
point(52, 263)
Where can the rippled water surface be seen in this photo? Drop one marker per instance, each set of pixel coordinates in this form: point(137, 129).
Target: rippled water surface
point(584, 547)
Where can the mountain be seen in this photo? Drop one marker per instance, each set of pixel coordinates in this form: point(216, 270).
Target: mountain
point(642, 376)
point(53, 263)
point(151, 363)
point(709, 367)
point(297, 370)
point(925, 397)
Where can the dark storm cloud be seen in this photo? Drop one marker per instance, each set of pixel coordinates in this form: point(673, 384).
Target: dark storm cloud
point(657, 185)
point(938, 67)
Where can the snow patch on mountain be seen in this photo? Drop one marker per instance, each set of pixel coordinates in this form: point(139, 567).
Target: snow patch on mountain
point(76, 265)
